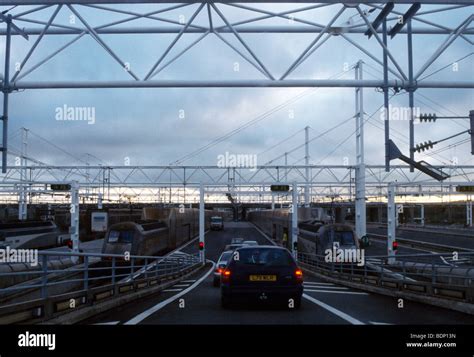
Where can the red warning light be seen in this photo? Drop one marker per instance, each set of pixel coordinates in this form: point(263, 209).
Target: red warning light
point(201, 245)
point(395, 245)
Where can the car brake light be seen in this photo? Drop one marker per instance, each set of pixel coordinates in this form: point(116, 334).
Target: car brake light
point(225, 275)
point(299, 274)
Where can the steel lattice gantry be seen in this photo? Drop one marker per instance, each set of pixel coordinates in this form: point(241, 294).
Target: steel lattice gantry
point(180, 184)
point(405, 18)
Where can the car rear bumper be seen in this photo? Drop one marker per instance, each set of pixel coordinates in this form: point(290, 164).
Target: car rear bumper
point(246, 293)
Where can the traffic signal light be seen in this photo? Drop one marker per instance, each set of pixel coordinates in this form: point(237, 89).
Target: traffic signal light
point(201, 245)
point(394, 245)
point(279, 188)
point(60, 187)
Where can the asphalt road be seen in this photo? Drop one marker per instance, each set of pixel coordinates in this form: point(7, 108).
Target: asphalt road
point(196, 301)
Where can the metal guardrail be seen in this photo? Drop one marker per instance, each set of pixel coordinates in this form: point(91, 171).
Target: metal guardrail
point(435, 247)
point(428, 277)
point(48, 290)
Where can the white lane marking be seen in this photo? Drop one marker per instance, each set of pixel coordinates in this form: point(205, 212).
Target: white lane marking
point(168, 290)
point(188, 281)
point(335, 292)
point(108, 323)
point(316, 283)
point(379, 323)
point(263, 234)
point(142, 316)
point(326, 287)
point(181, 285)
point(333, 310)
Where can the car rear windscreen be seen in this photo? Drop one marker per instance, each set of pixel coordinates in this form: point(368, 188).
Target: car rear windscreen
point(263, 256)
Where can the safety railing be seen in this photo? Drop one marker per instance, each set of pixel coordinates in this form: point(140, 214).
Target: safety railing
point(54, 285)
point(441, 276)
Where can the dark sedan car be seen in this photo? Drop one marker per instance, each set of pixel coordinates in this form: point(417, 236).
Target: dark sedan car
point(262, 273)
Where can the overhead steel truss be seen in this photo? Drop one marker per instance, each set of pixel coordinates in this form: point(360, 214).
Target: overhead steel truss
point(90, 175)
point(180, 184)
point(387, 24)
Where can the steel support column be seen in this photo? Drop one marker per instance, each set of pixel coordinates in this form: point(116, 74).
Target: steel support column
point(360, 206)
point(307, 200)
point(469, 212)
point(6, 92)
point(385, 97)
point(411, 93)
point(74, 210)
point(294, 221)
point(202, 254)
point(391, 221)
point(22, 202)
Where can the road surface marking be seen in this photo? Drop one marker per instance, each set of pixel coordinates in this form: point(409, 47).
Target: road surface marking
point(326, 287)
point(379, 323)
point(142, 316)
point(181, 285)
point(188, 281)
point(335, 292)
point(167, 290)
point(263, 234)
point(316, 283)
point(333, 310)
point(108, 323)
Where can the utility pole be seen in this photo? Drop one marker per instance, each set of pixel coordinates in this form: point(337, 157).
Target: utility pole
point(360, 205)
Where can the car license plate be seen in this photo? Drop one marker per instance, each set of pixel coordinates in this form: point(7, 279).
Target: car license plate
point(262, 278)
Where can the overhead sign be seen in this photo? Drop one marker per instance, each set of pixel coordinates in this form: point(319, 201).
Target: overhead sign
point(279, 188)
point(61, 187)
point(464, 188)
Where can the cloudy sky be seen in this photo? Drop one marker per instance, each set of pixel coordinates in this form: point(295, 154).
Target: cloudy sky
point(161, 126)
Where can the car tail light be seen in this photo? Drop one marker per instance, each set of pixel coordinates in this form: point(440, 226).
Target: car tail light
point(219, 270)
point(225, 275)
point(299, 274)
